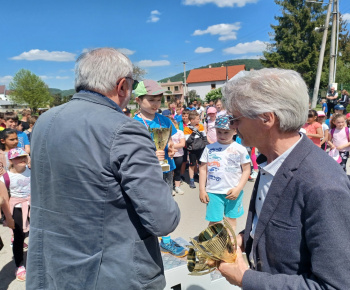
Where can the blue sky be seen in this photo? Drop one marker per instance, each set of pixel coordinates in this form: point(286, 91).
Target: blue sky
point(46, 36)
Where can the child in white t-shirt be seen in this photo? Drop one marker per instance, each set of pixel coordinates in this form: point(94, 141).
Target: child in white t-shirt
point(225, 167)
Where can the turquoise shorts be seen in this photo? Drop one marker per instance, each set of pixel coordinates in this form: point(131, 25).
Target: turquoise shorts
point(219, 206)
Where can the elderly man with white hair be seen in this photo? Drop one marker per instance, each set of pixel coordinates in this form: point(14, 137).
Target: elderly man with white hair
point(98, 196)
point(297, 232)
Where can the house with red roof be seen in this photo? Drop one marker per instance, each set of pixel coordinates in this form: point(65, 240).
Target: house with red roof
point(203, 80)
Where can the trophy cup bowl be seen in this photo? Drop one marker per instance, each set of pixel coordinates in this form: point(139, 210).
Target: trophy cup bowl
point(213, 244)
point(161, 138)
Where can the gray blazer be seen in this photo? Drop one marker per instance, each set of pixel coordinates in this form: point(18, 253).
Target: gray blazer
point(303, 234)
point(99, 201)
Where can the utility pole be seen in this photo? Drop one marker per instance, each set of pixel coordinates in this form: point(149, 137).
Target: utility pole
point(334, 39)
point(320, 59)
point(185, 87)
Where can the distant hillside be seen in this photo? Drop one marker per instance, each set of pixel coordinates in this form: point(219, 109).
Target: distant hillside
point(249, 64)
point(63, 93)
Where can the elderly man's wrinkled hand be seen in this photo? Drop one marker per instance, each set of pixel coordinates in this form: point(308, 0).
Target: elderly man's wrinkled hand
point(233, 272)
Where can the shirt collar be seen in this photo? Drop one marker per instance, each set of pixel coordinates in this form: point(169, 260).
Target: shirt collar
point(273, 167)
point(112, 103)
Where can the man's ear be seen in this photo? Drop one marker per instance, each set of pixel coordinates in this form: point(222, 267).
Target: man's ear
point(122, 88)
point(269, 118)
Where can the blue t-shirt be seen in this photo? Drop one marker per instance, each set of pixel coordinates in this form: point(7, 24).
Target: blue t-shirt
point(165, 123)
point(22, 139)
point(191, 109)
point(324, 105)
point(327, 122)
point(178, 118)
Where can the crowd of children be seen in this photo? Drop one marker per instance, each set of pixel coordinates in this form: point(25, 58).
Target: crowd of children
point(331, 134)
point(202, 143)
point(15, 182)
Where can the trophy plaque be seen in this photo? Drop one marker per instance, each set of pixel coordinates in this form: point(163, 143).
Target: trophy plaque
point(213, 244)
point(161, 138)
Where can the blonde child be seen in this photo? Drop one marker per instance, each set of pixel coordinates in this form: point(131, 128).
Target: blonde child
point(339, 138)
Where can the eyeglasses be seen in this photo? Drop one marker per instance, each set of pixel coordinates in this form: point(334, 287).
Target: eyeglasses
point(134, 82)
point(233, 120)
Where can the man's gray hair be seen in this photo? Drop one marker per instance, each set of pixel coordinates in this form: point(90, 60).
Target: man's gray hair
point(280, 91)
point(100, 69)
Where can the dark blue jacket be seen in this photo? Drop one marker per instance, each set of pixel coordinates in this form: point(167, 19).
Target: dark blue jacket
point(302, 236)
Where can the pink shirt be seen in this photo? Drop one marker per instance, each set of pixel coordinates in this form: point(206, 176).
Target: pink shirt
point(176, 139)
point(211, 132)
point(311, 129)
point(339, 138)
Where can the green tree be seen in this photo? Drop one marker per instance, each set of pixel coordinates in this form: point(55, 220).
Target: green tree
point(213, 95)
point(137, 72)
point(192, 95)
point(295, 43)
point(28, 88)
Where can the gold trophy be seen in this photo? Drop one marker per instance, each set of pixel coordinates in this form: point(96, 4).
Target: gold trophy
point(214, 244)
point(161, 138)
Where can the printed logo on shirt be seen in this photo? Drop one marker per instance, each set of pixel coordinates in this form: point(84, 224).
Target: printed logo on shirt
point(216, 178)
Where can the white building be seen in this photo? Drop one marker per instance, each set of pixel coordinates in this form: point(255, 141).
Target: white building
point(203, 80)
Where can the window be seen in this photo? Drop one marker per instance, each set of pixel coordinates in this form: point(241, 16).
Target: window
point(176, 88)
point(168, 88)
point(213, 86)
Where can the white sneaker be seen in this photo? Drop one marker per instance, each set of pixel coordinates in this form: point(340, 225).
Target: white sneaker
point(253, 175)
point(178, 190)
point(174, 192)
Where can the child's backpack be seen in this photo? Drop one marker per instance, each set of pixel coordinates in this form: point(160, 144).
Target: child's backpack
point(7, 181)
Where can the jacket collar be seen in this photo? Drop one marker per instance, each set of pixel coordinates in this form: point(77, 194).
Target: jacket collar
point(96, 98)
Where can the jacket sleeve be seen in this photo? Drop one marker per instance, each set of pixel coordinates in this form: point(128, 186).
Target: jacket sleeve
point(135, 164)
point(327, 233)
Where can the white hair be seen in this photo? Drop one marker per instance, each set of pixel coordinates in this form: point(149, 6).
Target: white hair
point(99, 69)
point(280, 91)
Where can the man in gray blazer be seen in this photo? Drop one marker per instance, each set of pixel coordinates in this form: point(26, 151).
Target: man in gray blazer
point(297, 232)
point(98, 196)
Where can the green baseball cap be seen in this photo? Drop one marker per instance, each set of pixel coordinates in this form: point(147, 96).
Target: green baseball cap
point(148, 87)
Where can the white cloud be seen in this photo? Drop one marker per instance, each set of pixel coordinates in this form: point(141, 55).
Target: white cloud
point(164, 55)
point(226, 31)
point(45, 77)
point(187, 41)
point(203, 49)
point(37, 54)
point(220, 3)
point(126, 51)
point(5, 80)
point(247, 47)
point(62, 78)
point(150, 63)
point(154, 16)
point(346, 17)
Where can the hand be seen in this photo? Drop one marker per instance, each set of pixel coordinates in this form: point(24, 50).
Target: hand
point(203, 196)
point(10, 223)
point(171, 150)
point(233, 272)
point(160, 155)
point(340, 147)
point(233, 193)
